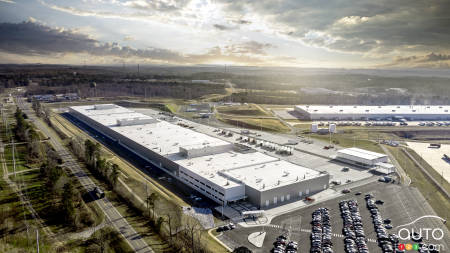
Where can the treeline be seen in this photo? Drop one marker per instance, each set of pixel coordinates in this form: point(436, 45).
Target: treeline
point(64, 202)
point(24, 132)
point(89, 152)
point(274, 97)
point(172, 89)
point(183, 233)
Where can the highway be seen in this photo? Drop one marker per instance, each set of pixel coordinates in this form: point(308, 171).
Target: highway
point(117, 220)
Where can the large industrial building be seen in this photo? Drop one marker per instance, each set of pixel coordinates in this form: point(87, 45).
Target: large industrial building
point(211, 166)
point(361, 112)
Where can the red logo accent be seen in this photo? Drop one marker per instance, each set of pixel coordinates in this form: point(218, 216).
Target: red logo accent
point(401, 246)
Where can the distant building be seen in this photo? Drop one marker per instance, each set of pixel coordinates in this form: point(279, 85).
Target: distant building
point(362, 112)
point(361, 157)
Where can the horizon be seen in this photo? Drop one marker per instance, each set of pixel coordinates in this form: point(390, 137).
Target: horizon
point(353, 35)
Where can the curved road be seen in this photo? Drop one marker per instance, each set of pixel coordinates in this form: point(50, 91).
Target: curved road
point(113, 216)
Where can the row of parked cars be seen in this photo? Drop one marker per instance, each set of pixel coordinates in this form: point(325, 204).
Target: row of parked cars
point(386, 242)
point(434, 123)
point(321, 232)
point(355, 239)
point(282, 245)
point(227, 227)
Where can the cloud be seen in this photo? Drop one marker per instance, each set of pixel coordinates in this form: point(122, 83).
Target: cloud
point(242, 21)
point(431, 60)
point(36, 40)
point(356, 26)
point(250, 47)
point(223, 27)
point(8, 1)
point(31, 38)
point(157, 5)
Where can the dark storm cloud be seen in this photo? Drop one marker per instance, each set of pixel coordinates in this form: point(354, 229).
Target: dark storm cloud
point(31, 38)
point(358, 25)
point(242, 22)
point(35, 39)
point(222, 27)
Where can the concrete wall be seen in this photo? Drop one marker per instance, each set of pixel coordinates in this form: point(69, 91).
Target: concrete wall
point(204, 151)
point(287, 193)
point(362, 160)
point(210, 189)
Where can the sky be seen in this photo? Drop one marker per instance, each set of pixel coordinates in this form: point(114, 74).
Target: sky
point(296, 33)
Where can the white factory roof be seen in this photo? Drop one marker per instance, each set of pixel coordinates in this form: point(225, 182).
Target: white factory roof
point(271, 175)
point(162, 137)
point(165, 138)
point(254, 169)
point(362, 153)
point(386, 109)
point(209, 166)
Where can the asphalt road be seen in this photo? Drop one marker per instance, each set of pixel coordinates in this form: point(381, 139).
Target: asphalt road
point(114, 217)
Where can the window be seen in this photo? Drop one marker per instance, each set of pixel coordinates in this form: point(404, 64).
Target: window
point(300, 194)
point(288, 197)
point(267, 202)
point(275, 200)
point(307, 191)
point(282, 198)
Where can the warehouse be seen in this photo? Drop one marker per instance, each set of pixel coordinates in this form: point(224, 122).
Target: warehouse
point(361, 112)
point(362, 157)
point(214, 167)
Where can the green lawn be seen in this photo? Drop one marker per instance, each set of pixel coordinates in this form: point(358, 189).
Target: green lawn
point(20, 157)
point(13, 229)
point(348, 141)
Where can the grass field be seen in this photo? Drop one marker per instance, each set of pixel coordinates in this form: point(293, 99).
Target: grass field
point(432, 194)
point(19, 155)
point(348, 141)
point(14, 237)
point(271, 125)
point(250, 110)
point(430, 170)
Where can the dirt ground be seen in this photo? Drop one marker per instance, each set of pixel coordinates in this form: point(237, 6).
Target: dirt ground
point(433, 156)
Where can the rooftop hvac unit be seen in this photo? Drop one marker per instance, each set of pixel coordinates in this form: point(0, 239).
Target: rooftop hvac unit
point(258, 180)
point(285, 173)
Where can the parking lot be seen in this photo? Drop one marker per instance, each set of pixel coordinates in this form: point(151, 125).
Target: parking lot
point(402, 205)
